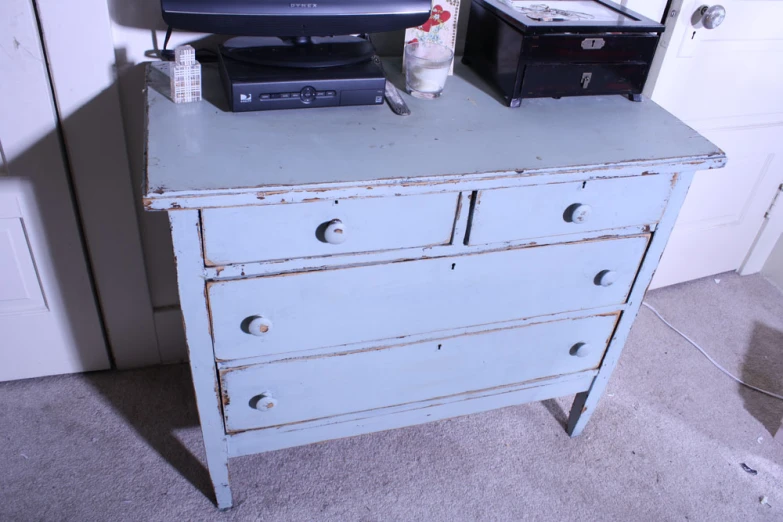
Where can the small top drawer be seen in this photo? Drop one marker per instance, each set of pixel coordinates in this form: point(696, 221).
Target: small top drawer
point(567, 208)
point(322, 228)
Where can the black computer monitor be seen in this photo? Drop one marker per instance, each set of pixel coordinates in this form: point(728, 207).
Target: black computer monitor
point(294, 18)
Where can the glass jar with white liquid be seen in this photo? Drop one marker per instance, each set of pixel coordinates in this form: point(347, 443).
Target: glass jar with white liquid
point(427, 66)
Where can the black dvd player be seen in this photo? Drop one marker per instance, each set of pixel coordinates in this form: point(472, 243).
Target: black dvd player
point(254, 87)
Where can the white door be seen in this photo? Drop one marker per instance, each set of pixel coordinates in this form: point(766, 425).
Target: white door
point(727, 83)
point(49, 320)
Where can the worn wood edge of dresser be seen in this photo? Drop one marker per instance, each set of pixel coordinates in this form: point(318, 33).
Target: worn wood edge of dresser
point(227, 365)
point(273, 195)
point(457, 248)
point(290, 435)
point(461, 216)
point(644, 231)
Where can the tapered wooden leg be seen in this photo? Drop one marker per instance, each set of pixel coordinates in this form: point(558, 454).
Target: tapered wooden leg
point(218, 472)
point(185, 234)
point(217, 462)
point(576, 421)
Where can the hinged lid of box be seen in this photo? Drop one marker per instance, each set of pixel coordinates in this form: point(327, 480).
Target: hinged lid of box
point(563, 16)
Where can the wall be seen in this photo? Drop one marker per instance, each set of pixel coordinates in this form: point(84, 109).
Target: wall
point(138, 32)
point(773, 268)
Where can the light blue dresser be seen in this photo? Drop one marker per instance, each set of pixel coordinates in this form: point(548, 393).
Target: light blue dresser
point(345, 271)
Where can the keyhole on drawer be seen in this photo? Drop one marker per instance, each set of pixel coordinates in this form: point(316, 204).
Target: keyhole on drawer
point(439, 346)
point(453, 265)
point(336, 202)
point(584, 184)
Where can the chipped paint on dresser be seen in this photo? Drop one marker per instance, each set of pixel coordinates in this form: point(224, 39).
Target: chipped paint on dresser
point(393, 187)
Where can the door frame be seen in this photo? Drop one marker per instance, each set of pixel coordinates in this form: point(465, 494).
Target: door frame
point(669, 21)
point(769, 234)
point(83, 77)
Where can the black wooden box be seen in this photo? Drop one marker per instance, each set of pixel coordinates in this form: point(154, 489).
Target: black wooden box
point(553, 48)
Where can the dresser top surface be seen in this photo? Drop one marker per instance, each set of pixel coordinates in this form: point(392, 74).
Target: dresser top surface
point(200, 147)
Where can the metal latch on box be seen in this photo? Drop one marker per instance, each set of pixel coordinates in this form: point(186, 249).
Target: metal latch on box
point(586, 77)
point(589, 44)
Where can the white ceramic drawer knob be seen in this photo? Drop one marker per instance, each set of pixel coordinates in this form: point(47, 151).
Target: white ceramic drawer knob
point(581, 350)
point(579, 213)
point(259, 326)
point(335, 232)
point(606, 278)
point(265, 402)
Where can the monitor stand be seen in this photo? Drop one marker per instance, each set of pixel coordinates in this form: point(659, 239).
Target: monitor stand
point(260, 74)
point(301, 52)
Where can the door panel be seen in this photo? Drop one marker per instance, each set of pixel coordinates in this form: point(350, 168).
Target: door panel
point(725, 83)
point(20, 291)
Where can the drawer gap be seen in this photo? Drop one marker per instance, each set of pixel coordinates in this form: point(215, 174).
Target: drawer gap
point(473, 197)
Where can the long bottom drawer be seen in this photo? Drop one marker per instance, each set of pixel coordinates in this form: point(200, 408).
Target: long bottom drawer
point(252, 441)
point(303, 389)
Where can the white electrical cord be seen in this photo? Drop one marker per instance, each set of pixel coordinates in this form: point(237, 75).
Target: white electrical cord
point(705, 354)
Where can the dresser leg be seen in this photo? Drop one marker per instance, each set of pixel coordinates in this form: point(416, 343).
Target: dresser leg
point(186, 236)
point(217, 462)
point(223, 497)
point(579, 416)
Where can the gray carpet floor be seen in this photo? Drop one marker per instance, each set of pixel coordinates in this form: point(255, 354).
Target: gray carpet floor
point(666, 442)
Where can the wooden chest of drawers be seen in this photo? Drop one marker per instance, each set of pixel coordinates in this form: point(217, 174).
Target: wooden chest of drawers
point(359, 279)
